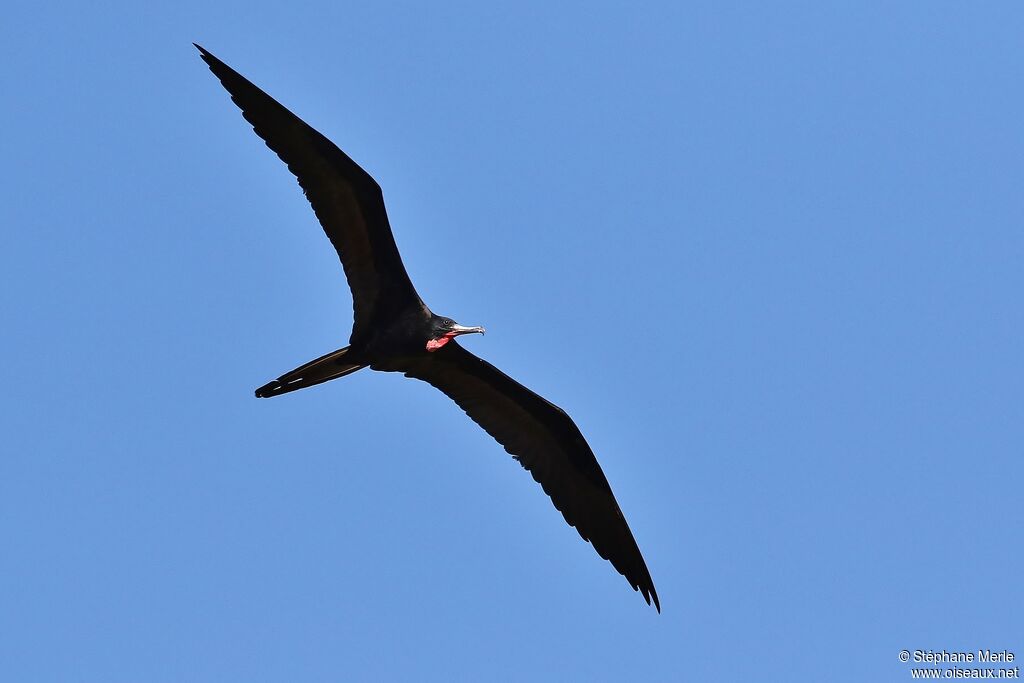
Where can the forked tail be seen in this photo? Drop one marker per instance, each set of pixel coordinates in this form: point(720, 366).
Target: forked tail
point(314, 372)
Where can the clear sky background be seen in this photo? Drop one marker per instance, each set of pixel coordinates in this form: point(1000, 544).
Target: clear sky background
point(767, 255)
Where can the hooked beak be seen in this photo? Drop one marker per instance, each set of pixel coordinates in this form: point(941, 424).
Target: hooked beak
point(462, 329)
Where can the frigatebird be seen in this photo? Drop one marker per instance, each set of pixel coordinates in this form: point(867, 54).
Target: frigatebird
point(394, 331)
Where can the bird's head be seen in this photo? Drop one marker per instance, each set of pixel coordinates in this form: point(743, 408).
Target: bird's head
point(443, 330)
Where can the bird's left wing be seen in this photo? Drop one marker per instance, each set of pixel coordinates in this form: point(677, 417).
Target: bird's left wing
point(545, 440)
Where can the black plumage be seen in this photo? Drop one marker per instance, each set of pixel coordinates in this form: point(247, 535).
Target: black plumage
point(394, 331)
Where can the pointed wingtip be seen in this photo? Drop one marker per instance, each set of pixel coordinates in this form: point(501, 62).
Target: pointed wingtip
point(649, 595)
point(207, 56)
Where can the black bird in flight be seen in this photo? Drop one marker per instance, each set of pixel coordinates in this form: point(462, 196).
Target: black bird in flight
point(394, 331)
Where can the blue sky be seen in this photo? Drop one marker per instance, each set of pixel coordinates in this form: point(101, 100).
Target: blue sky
point(768, 257)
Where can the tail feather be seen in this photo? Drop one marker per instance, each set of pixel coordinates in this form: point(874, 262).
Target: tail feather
point(317, 371)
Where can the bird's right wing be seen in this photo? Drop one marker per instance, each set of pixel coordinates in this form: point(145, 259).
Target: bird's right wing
point(545, 440)
point(346, 200)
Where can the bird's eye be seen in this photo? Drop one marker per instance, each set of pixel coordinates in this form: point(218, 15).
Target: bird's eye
point(446, 322)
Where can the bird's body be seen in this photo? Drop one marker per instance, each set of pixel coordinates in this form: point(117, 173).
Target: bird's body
point(394, 331)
